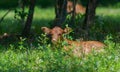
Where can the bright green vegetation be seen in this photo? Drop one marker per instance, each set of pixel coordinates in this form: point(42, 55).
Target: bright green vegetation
point(44, 58)
point(41, 57)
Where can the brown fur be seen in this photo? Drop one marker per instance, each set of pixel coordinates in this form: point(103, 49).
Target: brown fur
point(78, 47)
point(79, 9)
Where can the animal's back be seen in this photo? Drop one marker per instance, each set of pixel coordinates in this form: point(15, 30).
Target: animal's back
point(84, 47)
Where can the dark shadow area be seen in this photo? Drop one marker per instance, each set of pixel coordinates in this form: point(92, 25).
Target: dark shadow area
point(103, 27)
point(6, 4)
point(15, 28)
point(104, 3)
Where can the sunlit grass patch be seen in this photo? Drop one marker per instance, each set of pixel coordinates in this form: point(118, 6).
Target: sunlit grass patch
point(108, 11)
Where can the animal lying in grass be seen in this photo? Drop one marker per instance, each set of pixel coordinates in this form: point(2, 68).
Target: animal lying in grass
point(9, 37)
point(78, 48)
point(5, 35)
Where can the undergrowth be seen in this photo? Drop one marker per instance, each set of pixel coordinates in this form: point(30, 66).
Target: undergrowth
point(45, 58)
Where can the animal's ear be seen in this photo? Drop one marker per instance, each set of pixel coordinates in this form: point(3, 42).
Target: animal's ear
point(46, 30)
point(67, 30)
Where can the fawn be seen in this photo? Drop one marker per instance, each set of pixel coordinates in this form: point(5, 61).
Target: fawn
point(79, 9)
point(81, 47)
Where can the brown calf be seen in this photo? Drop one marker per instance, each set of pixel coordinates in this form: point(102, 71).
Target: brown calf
point(79, 9)
point(82, 47)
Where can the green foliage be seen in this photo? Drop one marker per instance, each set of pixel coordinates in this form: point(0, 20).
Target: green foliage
point(49, 60)
point(20, 14)
point(21, 43)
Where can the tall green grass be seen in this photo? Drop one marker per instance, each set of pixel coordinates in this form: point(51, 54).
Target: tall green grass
point(44, 58)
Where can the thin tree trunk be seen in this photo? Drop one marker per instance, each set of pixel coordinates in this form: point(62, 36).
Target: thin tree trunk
point(60, 11)
point(90, 15)
point(26, 30)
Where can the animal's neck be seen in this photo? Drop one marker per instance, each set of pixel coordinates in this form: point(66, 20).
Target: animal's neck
point(71, 42)
point(68, 41)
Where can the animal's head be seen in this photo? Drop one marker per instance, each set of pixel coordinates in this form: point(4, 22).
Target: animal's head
point(55, 33)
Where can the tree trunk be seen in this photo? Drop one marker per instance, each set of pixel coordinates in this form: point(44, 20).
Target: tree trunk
point(60, 11)
point(72, 22)
point(26, 30)
point(90, 13)
point(89, 16)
